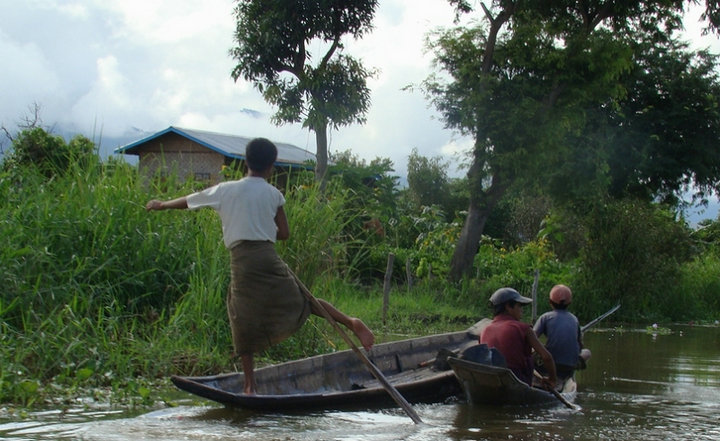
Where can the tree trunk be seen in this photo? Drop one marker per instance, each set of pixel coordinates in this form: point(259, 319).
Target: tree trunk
point(481, 205)
point(467, 245)
point(321, 153)
point(481, 201)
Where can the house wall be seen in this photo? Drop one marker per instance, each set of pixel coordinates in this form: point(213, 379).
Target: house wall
point(174, 153)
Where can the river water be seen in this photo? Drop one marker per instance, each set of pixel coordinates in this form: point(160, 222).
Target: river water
point(639, 386)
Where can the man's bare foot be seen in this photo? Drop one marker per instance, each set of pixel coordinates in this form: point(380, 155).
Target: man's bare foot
point(363, 333)
point(249, 389)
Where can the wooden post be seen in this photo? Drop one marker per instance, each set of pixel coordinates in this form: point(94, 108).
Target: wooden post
point(534, 295)
point(408, 274)
point(386, 285)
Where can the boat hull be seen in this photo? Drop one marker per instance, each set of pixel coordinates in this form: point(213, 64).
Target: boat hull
point(493, 385)
point(340, 380)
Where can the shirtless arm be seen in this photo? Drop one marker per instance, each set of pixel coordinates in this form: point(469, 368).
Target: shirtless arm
point(548, 361)
point(178, 204)
point(283, 228)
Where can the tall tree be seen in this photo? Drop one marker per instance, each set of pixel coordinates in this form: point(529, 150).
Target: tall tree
point(538, 84)
point(427, 179)
point(273, 38)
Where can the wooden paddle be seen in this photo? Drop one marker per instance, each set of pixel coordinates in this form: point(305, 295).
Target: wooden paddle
point(592, 322)
point(399, 399)
point(557, 394)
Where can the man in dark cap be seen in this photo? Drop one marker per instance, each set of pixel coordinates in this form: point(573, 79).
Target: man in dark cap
point(515, 339)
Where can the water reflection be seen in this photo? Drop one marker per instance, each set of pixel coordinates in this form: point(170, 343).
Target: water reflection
point(638, 387)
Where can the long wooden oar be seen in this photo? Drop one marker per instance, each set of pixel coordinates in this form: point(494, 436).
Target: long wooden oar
point(399, 399)
point(557, 394)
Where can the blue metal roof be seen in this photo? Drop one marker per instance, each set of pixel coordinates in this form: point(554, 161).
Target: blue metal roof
point(227, 145)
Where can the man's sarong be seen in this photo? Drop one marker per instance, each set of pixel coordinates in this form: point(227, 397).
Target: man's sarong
point(264, 303)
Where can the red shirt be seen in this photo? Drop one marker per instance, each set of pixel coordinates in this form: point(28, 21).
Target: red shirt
point(509, 336)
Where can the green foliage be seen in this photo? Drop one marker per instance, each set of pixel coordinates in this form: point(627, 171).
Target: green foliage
point(372, 183)
point(83, 233)
point(50, 154)
point(696, 295)
point(318, 225)
point(633, 256)
point(707, 236)
point(90, 274)
point(429, 184)
point(577, 101)
point(272, 38)
point(519, 217)
point(670, 121)
point(434, 244)
point(424, 240)
point(499, 266)
point(566, 233)
point(370, 208)
point(427, 179)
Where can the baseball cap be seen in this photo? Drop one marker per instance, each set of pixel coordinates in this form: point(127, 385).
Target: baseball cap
point(561, 295)
point(504, 295)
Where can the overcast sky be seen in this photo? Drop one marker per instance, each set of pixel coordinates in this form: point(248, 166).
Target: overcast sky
point(110, 67)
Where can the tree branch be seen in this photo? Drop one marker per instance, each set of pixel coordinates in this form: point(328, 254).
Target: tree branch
point(488, 14)
point(299, 62)
point(495, 25)
point(7, 133)
point(330, 52)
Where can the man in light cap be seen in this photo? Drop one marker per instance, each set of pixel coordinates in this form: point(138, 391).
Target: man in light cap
point(564, 338)
point(515, 339)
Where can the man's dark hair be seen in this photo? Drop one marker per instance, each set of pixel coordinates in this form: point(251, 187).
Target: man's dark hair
point(499, 309)
point(260, 154)
point(559, 305)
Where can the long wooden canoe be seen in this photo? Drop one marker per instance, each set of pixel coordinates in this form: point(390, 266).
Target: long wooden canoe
point(340, 380)
point(487, 384)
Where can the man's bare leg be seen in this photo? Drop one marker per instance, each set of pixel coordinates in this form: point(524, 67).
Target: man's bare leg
point(248, 366)
point(361, 331)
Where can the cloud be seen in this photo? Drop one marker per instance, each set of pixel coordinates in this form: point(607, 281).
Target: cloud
point(25, 68)
point(110, 99)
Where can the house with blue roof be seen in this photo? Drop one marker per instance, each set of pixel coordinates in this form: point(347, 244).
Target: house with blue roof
point(202, 155)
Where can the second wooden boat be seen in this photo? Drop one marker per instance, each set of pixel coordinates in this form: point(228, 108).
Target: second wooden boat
point(487, 384)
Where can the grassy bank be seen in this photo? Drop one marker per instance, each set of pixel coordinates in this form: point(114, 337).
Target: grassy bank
point(98, 293)
point(115, 357)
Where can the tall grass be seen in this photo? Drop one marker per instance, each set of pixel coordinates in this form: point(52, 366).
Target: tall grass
point(96, 290)
point(319, 232)
point(89, 277)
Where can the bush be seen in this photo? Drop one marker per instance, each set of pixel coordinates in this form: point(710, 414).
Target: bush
point(498, 267)
point(633, 256)
point(697, 293)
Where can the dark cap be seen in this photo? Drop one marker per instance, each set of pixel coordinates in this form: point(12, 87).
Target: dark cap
point(504, 295)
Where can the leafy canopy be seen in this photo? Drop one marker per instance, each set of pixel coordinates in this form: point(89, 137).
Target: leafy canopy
point(273, 40)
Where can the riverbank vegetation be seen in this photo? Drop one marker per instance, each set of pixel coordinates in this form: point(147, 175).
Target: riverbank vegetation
point(575, 175)
point(98, 294)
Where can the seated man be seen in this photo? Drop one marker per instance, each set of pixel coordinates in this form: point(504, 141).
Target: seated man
point(564, 338)
point(515, 339)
